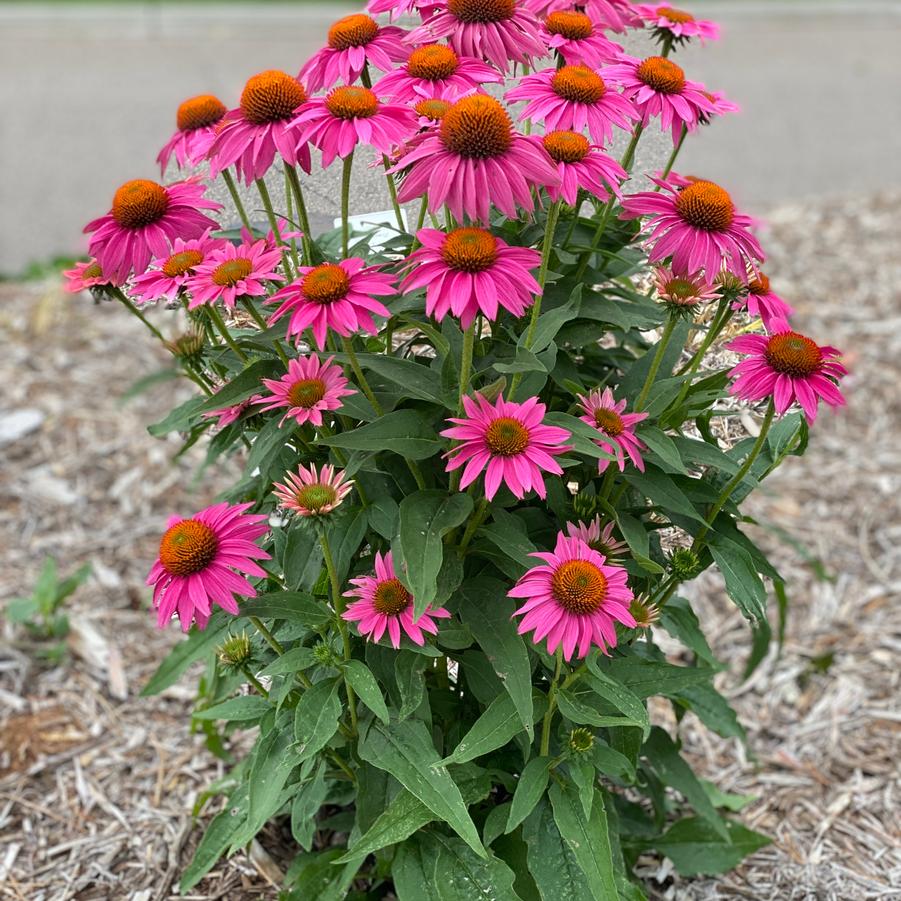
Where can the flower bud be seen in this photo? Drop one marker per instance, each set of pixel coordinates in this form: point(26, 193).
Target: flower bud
point(187, 348)
point(585, 505)
point(235, 652)
point(684, 564)
point(644, 613)
point(581, 740)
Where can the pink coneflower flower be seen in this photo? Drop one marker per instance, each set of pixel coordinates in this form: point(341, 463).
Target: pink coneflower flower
point(698, 226)
point(670, 24)
point(721, 105)
point(597, 538)
point(496, 31)
point(574, 599)
point(351, 115)
point(307, 389)
point(312, 493)
point(510, 439)
point(227, 415)
point(581, 165)
point(578, 40)
point(398, 8)
point(613, 15)
point(353, 43)
point(196, 122)
point(232, 271)
point(430, 112)
point(574, 97)
point(470, 271)
point(384, 603)
point(337, 296)
point(84, 276)
point(168, 275)
point(658, 87)
point(788, 366)
point(763, 302)
point(644, 613)
point(262, 125)
point(474, 160)
point(435, 71)
point(204, 560)
point(617, 429)
point(145, 219)
point(682, 293)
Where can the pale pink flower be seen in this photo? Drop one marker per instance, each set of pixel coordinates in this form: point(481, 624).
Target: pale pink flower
point(615, 428)
point(196, 122)
point(384, 603)
point(574, 599)
point(307, 390)
point(313, 493)
point(204, 560)
point(231, 271)
point(683, 291)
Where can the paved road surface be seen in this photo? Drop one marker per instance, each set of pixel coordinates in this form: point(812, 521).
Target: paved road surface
point(88, 94)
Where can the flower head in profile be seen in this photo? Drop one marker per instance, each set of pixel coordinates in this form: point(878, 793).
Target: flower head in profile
point(574, 97)
point(578, 40)
point(681, 294)
point(385, 604)
point(496, 31)
point(312, 492)
point(616, 428)
point(790, 368)
point(145, 219)
point(762, 301)
point(262, 125)
point(350, 115)
point(225, 416)
point(670, 24)
point(658, 88)
point(168, 275)
point(231, 271)
point(307, 390)
point(509, 442)
point(430, 112)
point(353, 43)
point(697, 226)
point(436, 70)
point(204, 561)
point(574, 599)
point(398, 8)
point(611, 15)
point(338, 296)
point(84, 276)
point(196, 121)
point(721, 106)
point(475, 160)
point(598, 537)
point(581, 165)
point(469, 271)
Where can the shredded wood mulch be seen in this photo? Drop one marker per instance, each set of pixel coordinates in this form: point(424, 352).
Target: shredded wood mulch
point(97, 784)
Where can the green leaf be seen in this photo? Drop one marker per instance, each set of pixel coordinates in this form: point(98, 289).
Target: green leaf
point(488, 612)
point(582, 436)
point(408, 670)
point(508, 535)
point(407, 752)
point(617, 694)
point(415, 379)
point(712, 709)
point(587, 839)
point(246, 707)
point(364, 684)
point(680, 621)
point(436, 867)
point(696, 848)
point(216, 839)
point(646, 678)
point(425, 518)
point(302, 559)
point(662, 490)
point(726, 800)
point(309, 798)
point(663, 446)
point(637, 539)
point(242, 386)
point(198, 644)
point(383, 516)
point(580, 704)
point(293, 606)
point(673, 771)
point(551, 861)
point(316, 718)
point(702, 453)
point(497, 725)
point(403, 432)
point(530, 788)
point(551, 321)
point(743, 584)
point(179, 419)
point(293, 661)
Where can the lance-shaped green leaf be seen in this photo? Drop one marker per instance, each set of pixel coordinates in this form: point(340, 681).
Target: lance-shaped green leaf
point(406, 751)
point(294, 606)
point(197, 645)
point(696, 848)
point(580, 704)
point(617, 694)
point(425, 518)
point(222, 828)
point(530, 788)
point(551, 862)
point(646, 678)
point(403, 432)
point(242, 386)
point(743, 584)
point(246, 707)
point(316, 718)
point(364, 684)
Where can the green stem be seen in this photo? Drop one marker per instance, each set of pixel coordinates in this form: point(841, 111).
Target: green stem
point(120, 295)
point(340, 606)
point(629, 155)
point(289, 193)
point(420, 221)
point(307, 238)
point(236, 198)
point(469, 340)
point(252, 679)
point(474, 522)
point(551, 706)
point(737, 479)
point(345, 203)
point(358, 374)
point(580, 199)
point(672, 159)
point(261, 322)
point(596, 240)
point(392, 190)
point(655, 363)
point(219, 322)
point(273, 223)
point(270, 639)
point(720, 319)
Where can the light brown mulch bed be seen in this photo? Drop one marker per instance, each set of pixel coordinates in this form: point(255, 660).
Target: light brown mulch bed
point(96, 785)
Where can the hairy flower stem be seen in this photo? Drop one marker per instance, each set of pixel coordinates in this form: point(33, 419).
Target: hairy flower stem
point(345, 203)
point(551, 707)
point(340, 606)
point(289, 194)
point(420, 221)
point(553, 214)
point(268, 637)
point(662, 344)
point(475, 521)
point(252, 679)
point(236, 198)
point(307, 236)
point(672, 157)
point(469, 337)
point(737, 479)
point(219, 322)
point(629, 155)
point(120, 296)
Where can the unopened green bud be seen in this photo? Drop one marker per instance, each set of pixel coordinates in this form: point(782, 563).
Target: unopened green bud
point(581, 740)
point(187, 348)
point(585, 505)
point(684, 564)
point(235, 652)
